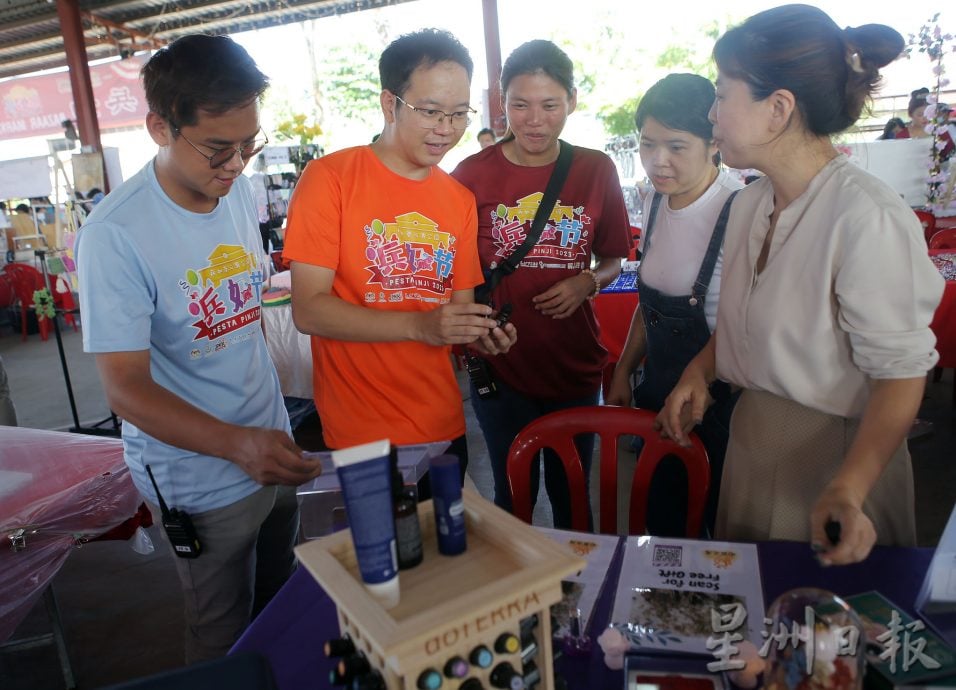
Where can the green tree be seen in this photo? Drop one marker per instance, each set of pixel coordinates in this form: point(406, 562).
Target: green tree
point(615, 64)
point(348, 79)
point(344, 74)
point(618, 120)
point(694, 55)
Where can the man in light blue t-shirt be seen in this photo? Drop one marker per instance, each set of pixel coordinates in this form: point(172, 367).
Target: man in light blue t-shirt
point(170, 269)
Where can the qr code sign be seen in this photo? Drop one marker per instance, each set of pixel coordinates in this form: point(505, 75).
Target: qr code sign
point(667, 556)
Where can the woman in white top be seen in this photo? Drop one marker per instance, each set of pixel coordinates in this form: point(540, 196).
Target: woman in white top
point(684, 226)
point(826, 298)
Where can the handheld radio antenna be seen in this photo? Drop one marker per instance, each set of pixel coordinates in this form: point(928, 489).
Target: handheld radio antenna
point(162, 503)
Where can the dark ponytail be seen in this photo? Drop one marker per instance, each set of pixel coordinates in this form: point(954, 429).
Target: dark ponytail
point(831, 72)
point(869, 48)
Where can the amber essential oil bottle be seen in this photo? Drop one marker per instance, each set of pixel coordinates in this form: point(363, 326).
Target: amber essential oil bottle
point(408, 531)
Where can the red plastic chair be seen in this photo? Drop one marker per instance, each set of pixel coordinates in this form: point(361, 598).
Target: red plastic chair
point(25, 280)
point(928, 221)
point(632, 254)
point(557, 431)
point(943, 239)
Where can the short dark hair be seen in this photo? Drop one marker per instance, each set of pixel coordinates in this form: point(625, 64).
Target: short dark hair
point(22, 208)
point(891, 125)
point(200, 72)
point(485, 130)
point(426, 47)
point(831, 72)
point(539, 56)
point(680, 102)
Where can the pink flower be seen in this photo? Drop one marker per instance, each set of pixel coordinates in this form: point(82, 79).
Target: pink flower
point(615, 646)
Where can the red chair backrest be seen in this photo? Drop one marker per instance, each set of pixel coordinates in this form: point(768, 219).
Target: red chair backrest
point(943, 239)
point(25, 280)
point(7, 294)
point(557, 431)
point(928, 221)
point(635, 243)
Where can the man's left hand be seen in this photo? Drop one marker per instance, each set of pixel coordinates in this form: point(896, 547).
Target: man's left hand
point(498, 340)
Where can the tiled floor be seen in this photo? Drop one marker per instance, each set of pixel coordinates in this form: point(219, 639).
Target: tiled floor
point(121, 610)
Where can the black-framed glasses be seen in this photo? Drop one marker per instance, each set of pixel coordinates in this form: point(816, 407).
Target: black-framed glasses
point(430, 118)
point(222, 156)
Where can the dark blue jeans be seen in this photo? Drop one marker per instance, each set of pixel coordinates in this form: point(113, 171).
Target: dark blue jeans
point(501, 418)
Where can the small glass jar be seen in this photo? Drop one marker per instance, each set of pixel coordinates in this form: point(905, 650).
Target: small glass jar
point(815, 642)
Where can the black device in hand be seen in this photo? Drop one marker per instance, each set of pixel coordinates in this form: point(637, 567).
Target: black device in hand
point(479, 371)
point(503, 315)
point(832, 528)
point(178, 525)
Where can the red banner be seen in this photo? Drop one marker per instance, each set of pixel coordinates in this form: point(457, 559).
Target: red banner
point(35, 106)
point(226, 325)
point(405, 280)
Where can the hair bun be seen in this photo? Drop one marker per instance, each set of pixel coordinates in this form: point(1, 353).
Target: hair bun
point(877, 43)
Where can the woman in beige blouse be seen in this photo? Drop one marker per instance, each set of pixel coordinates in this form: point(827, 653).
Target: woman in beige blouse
point(826, 299)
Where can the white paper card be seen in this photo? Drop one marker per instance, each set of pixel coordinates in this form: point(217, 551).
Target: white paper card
point(582, 589)
point(669, 590)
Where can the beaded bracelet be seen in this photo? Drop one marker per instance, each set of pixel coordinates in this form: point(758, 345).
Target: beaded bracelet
point(597, 282)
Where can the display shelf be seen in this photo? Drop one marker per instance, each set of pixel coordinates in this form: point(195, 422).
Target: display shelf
point(451, 605)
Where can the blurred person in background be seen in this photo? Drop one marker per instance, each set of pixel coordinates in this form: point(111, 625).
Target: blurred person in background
point(892, 128)
point(486, 138)
point(916, 109)
point(8, 413)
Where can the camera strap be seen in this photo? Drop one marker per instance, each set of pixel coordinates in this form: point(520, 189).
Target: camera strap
point(510, 264)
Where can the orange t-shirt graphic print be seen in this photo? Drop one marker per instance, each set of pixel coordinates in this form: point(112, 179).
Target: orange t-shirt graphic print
point(411, 252)
point(395, 245)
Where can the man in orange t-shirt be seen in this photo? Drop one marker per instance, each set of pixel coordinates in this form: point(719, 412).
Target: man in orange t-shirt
point(384, 261)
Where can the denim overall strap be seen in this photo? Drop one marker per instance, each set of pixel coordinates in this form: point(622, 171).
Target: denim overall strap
point(652, 216)
point(675, 325)
point(713, 251)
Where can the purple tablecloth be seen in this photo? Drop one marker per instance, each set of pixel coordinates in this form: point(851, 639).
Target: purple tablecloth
point(290, 632)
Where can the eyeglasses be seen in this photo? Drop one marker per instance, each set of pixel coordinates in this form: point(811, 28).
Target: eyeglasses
point(431, 118)
point(222, 156)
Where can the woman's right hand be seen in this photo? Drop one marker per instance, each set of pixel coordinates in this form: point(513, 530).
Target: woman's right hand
point(619, 391)
point(685, 406)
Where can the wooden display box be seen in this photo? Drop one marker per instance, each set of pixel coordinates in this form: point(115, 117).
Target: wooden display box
point(451, 604)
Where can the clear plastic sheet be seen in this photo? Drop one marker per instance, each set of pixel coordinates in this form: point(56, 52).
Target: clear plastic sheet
point(290, 350)
point(60, 489)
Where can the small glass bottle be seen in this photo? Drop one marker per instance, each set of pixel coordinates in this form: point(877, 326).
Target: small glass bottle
point(816, 643)
point(408, 531)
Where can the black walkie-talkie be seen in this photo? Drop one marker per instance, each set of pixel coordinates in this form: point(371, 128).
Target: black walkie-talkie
point(178, 525)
